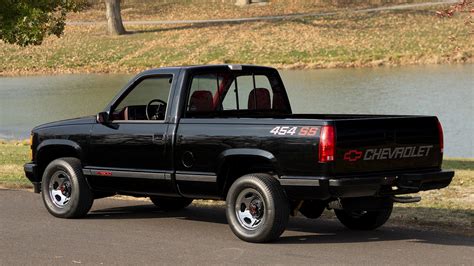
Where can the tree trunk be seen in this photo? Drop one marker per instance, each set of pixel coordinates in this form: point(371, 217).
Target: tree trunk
point(114, 18)
point(242, 2)
point(248, 2)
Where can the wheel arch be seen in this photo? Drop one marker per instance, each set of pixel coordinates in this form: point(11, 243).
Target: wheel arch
point(51, 149)
point(234, 163)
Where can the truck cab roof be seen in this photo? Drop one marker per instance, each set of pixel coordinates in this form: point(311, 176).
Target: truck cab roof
point(208, 67)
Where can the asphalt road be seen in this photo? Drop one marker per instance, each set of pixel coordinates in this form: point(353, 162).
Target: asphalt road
point(134, 232)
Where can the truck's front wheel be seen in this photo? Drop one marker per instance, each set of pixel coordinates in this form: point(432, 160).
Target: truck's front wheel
point(65, 191)
point(364, 220)
point(257, 208)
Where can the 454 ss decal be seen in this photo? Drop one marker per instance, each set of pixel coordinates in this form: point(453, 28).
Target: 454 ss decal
point(292, 131)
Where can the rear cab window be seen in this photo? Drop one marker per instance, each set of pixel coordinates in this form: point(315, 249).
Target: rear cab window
point(236, 93)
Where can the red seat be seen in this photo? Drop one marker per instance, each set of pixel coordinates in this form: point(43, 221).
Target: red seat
point(201, 101)
point(259, 99)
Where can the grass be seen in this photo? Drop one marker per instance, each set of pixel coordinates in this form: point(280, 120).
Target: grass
point(346, 40)
point(449, 209)
point(194, 10)
point(13, 154)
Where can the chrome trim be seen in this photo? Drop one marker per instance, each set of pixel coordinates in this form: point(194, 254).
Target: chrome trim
point(250, 209)
point(128, 174)
point(137, 121)
point(196, 178)
point(285, 181)
point(60, 189)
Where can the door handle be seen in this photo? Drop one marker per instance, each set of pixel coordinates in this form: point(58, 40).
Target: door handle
point(158, 138)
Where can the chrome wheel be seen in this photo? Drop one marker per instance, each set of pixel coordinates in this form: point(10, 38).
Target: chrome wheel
point(60, 189)
point(257, 209)
point(250, 209)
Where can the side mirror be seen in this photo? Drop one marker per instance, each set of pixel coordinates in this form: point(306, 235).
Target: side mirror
point(103, 117)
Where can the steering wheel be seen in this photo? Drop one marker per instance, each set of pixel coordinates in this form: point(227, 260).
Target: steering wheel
point(154, 116)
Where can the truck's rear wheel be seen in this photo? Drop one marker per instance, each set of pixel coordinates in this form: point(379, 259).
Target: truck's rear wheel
point(65, 191)
point(170, 203)
point(257, 208)
point(364, 220)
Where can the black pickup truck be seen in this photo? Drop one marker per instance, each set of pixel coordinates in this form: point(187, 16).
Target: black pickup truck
point(228, 132)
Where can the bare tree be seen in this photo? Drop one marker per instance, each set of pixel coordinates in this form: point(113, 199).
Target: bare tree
point(248, 2)
point(114, 18)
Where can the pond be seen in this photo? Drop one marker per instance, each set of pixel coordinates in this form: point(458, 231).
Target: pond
point(446, 91)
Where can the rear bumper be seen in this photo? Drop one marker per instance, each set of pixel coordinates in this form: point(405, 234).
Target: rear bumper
point(393, 185)
point(381, 185)
point(32, 174)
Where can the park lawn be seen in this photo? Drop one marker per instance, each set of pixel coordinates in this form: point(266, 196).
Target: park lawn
point(388, 38)
point(450, 209)
point(13, 154)
point(226, 9)
point(188, 10)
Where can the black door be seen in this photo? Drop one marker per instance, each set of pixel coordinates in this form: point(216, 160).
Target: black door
point(132, 152)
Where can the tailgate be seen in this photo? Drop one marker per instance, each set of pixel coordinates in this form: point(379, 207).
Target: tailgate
point(387, 144)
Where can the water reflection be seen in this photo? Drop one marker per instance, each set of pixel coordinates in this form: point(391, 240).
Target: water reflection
point(446, 91)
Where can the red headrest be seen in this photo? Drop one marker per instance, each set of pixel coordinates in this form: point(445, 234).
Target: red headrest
point(259, 98)
point(201, 101)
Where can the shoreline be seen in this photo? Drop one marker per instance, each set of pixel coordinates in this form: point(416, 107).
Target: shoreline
point(296, 66)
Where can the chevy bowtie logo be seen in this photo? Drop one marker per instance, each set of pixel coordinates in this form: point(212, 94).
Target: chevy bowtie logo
point(353, 155)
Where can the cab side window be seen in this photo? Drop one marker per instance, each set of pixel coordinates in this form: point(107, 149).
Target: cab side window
point(148, 100)
point(202, 92)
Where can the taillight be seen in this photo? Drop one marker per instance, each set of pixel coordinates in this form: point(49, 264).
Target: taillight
point(327, 144)
point(441, 137)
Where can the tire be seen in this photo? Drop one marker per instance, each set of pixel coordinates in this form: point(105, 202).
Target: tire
point(65, 191)
point(364, 220)
point(257, 208)
point(170, 203)
point(312, 209)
